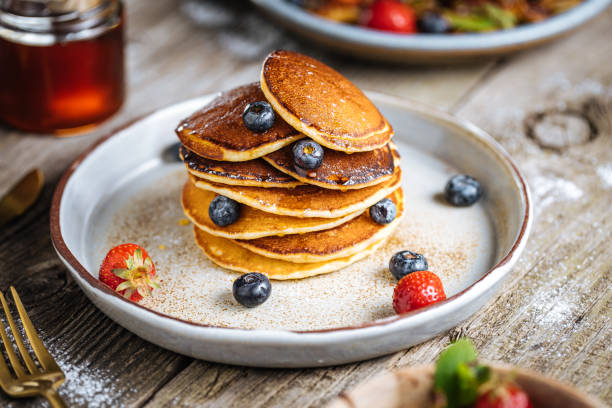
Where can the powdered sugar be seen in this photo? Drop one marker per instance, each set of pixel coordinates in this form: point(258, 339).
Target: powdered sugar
point(86, 384)
point(605, 173)
point(550, 189)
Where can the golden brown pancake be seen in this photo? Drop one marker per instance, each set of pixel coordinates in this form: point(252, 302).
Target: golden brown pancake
point(344, 240)
point(217, 132)
point(252, 223)
point(255, 173)
point(339, 170)
point(321, 103)
point(227, 254)
point(307, 200)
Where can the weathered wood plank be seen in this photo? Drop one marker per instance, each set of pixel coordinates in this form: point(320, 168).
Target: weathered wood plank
point(553, 314)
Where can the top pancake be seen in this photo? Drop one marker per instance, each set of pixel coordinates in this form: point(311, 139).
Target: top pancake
point(322, 104)
point(253, 173)
point(217, 131)
point(339, 170)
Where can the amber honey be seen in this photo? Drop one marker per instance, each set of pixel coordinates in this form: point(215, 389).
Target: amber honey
point(64, 86)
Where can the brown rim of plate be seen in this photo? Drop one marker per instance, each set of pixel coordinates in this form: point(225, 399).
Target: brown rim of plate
point(480, 135)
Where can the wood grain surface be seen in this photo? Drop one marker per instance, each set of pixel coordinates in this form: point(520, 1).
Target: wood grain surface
point(553, 313)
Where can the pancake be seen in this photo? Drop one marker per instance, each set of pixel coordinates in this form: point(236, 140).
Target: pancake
point(339, 170)
point(254, 173)
point(227, 254)
point(342, 241)
point(322, 104)
point(307, 200)
point(217, 132)
point(252, 223)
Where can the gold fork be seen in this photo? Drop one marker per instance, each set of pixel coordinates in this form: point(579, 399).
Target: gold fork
point(42, 380)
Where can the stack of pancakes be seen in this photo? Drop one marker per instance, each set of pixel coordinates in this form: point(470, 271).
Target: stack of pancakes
point(293, 223)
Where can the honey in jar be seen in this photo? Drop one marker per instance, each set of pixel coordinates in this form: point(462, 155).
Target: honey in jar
point(61, 63)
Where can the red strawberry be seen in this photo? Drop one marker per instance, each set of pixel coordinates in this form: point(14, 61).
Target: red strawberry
point(416, 290)
point(128, 269)
point(391, 15)
point(508, 395)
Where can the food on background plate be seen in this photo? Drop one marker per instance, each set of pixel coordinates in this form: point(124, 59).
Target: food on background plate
point(458, 380)
point(461, 381)
point(437, 16)
point(128, 270)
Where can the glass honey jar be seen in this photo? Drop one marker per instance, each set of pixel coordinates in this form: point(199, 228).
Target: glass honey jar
point(61, 63)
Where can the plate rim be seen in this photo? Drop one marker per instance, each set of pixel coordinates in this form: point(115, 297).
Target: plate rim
point(492, 276)
point(436, 44)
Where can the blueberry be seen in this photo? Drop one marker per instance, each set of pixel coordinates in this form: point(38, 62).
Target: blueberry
point(252, 289)
point(462, 190)
point(223, 211)
point(258, 116)
point(405, 262)
point(384, 211)
point(433, 23)
point(307, 154)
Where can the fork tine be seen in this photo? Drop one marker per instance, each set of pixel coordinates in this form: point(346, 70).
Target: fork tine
point(5, 375)
point(45, 359)
point(8, 345)
point(25, 353)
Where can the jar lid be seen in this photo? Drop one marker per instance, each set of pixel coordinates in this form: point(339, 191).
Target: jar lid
point(47, 22)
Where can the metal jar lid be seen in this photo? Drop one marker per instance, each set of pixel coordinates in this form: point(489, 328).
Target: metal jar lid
point(48, 22)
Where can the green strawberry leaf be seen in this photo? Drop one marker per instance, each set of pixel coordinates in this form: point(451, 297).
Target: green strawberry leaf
point(467, 385)
point(454, 375)
point(483, 374)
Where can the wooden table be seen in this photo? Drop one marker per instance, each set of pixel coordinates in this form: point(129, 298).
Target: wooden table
point(552, 315)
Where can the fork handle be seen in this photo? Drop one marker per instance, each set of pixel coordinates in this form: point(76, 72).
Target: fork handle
point(53, 397)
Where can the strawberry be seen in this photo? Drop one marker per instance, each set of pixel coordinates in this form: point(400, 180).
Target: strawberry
point(128, 269)
point(391, 15)
point(416, 290)
point(507, 395)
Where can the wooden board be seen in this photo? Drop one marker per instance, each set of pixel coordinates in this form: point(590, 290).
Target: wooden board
point(552, 315)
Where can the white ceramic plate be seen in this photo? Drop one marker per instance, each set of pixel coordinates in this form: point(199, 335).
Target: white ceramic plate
point(125, 189)
point(426, 48)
